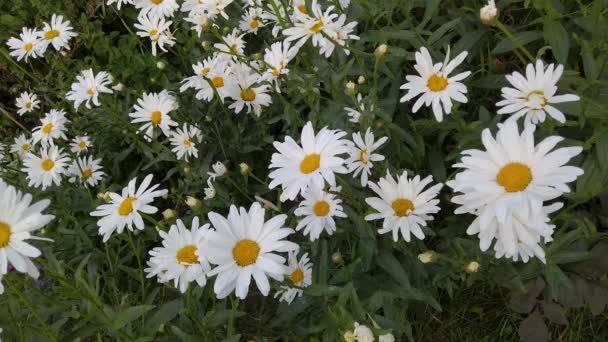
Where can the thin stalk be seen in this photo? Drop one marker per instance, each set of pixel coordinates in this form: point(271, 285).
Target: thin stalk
point(514, 39)
point(10, 117)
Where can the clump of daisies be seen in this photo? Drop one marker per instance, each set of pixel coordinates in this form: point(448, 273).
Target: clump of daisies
point(506, 187)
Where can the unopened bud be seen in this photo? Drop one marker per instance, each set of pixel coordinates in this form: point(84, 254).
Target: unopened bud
point(488, 13)
point(161, 65)
point(205, 45)
point(351, 88)
point(63, 53)
point(361, 80)
point(472, 267)
point(104, 196)
point(245, 169)
point(193, 202)
point(381, 51)
point(337, 259)
point(187, 169)
point(165, 196)
point(169, 214)
point(427, 257)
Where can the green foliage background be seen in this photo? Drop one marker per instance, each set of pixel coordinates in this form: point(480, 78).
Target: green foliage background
point(95, 291)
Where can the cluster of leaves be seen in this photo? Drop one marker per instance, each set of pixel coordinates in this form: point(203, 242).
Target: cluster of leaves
point(93, 290)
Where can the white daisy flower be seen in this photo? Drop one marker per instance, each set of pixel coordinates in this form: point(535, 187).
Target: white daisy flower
point(124, 208)
point(533, 94)
point(319, 209)
point(87, 88)
point(251, 20)
point(119, 3)
point(184, 141)
point(200, 21)
point(86, 170)
point(217, 7)
point(52, 127)
point(22, 145)
point(157, 29)
point(232, 44)
point(47, 169)
point(354, 115)
point(276, 59)
point(243, 246)
point(340, 32)
point(438, 89)
point(306, 27)
point(27, 102)
point(404, 204)
point(246, 91)
point(209, 190)
point(210, 77)
point(219, 169)
point(513, 174)
point(153, 109)
point(58, 33)
point(300, 275)
point(18, 219)
point(80, 144)
point(27, 45)
point(180, 258)
point(299, 167)
point(195, 6)
point(158, 8)
point(362, 156)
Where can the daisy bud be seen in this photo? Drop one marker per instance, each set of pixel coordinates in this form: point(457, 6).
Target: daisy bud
point(193, 202)
point(381, 51)
point(386, 338)
point(349, 336)
point(245, 169)
point(187, 170)
point(472, 267)
point(258, 56)
point(488, 13)
point(63, 53)
point(219, 169)
point(161, 65)
point(208, 118)
point(205, 45)
point(119, 87)
point(427, 257)
point(169, 214)
point(363, 333)
point(351, 88)
point(105, 196)
point(337, 259)
point(361, 80)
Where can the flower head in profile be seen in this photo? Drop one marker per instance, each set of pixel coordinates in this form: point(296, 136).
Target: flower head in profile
point(153, 111)
point(19, 217)
point(404, 204)
point(299, 274)
point(87, 88)
point(157, 29)
point(180, 259)
point(318, 210)
point(52, 127)
point(244, 246)
point(124, 210)
point(488, 13)
point(86, 170)
point(46, 169)
point(58, 33)
point(27, 45)
point(533, 96)
point(434, 84)
point(314, 162)
point(362, 156)
point(27, 102)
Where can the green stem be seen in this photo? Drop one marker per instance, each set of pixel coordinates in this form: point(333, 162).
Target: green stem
point(10, 117)
point(139, 264)
point(514, 39)
point(33, 311)
point(275, 8)
point(10, 59)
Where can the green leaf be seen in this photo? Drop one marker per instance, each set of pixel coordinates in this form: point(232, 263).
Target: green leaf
point(533, 329)
point(163, 314)
point(391, 265)
point(526, 37)
point(129, 315)
point(556, 36)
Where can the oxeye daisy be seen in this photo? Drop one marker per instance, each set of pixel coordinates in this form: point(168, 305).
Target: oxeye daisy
point(52, 127)
point(157, 29)
point(80, 144)
point(200, 21)
point(88, 86)
point(319, 209)
point(533, 94)
point(119, 3)
point(244, 245)
point(340, 32)
point(86, 170)
point(124, 210)
point(180, 258)
point(513, 174)
point(47, 169)
point(438, 89)
point(354, 114)
point(276, 59)
point(404, 204)
point(159, 8)
point(210, 77)
point(58, 33)
point(313, 163)
point(26, 102)
point(232, 44)
point(27, 45)
point(184, 141)
point(251, 20)
point(306, 26)
point(299, 274)
point(22, 145)
point(153, 110)
point(246, 92)
point(362, 156)
point(217, 7)
point(18, 219)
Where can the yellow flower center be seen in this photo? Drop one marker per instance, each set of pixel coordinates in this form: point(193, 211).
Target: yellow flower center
point(437, 83)
point(276, 72)
point(28, 47)
point(25, 147)
point(514, 177)
point(254, 24)
point(156, 2)
point(187, 255)
point(156, 117)
point(126, 207)
point(47, 165)
point(47, 128)
point(248, 95)
point(318, 25)
point(538, 95)
point(246, 252)
point(310, 163)
point(297, 276)
point(90, 92)
point(321, 208)
point(153, 32)
point(402, 206)
point(218, 81)
point(303, 9)
point(5, 234)
point(86, 173)
point(82, 144)
point(363, 156)
point(206, 70)
point(48, 35)
point(28, 105)
point(187, 143)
